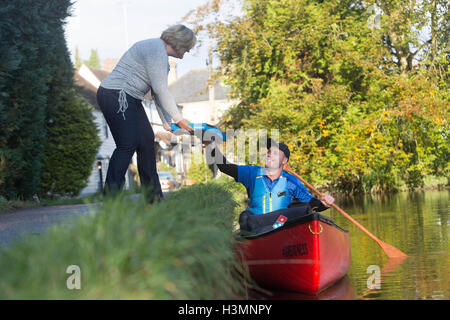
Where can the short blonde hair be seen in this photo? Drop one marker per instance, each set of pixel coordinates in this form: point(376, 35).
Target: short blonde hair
point(179, 37)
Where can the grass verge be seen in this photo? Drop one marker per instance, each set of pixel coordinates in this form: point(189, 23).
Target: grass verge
point(181, 248)
point(11, 205)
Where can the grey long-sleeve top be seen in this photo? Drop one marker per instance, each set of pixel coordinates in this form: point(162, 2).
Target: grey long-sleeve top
point(142, 68)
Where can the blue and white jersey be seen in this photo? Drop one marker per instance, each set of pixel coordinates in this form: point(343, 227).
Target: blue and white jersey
point(266, 195)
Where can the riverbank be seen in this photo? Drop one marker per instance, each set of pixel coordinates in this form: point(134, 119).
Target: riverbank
point(182, 248)
point(431, 183)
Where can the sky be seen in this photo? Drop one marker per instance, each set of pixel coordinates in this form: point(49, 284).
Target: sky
point(105, 25)
point(102, 25)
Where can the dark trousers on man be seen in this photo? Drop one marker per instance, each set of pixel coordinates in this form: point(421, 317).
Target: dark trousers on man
point(132, 132)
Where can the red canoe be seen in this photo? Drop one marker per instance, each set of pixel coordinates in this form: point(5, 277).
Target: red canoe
point(306, 255)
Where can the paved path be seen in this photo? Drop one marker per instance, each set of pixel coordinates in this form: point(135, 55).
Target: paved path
point(19, 223)
point(34, 221)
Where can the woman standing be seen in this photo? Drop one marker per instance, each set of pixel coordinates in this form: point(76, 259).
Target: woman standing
point(142, 68)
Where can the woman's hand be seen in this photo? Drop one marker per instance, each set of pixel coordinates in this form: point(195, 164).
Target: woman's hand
point(327, 200)
point(183, 124)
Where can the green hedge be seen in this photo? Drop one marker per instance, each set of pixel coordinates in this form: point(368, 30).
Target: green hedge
point(71, 146)
point(36, 83)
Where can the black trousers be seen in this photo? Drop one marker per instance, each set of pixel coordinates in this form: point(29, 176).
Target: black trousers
point(132, 132)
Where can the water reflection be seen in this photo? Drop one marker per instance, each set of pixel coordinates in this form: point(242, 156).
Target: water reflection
point(342, 290)
point(417, 224)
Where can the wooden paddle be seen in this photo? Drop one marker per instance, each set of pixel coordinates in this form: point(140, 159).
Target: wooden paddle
point(391, 251)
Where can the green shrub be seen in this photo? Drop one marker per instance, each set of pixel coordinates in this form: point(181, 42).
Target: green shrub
point(71, 146)
point(200, 172)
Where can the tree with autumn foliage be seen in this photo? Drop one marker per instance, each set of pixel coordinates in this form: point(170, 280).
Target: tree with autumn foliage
point(356, 115)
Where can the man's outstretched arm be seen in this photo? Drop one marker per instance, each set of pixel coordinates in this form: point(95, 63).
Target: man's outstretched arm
point(222, 163)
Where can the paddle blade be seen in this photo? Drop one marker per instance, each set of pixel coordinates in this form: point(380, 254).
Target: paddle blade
point(391, 251)
point(392, 265)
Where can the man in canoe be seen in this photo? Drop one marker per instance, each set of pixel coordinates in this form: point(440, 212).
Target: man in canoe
point(270, 188)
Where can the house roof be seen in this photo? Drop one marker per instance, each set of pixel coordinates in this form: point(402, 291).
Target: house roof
point(193, 87)
point(100, 74)
point(88, 90)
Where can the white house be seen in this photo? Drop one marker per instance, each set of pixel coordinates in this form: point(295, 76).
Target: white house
point(200, 100)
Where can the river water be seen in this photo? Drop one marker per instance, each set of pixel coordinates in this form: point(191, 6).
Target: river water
point(417, 223)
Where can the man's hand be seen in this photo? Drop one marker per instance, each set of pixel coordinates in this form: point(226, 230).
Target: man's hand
point(183, 124)
point(327, 200)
